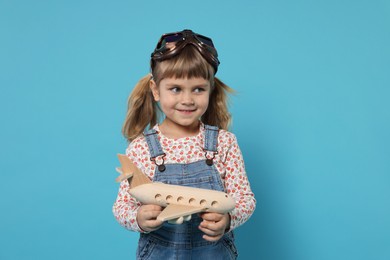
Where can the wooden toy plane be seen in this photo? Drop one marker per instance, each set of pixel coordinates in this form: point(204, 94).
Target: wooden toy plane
point(179, 202)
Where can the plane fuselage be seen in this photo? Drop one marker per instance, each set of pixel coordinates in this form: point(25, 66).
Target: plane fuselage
point(165, 194)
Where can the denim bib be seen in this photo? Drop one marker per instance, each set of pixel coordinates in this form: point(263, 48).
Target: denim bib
point(185, 241)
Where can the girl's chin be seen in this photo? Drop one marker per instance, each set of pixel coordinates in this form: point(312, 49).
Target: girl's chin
point(182, 123)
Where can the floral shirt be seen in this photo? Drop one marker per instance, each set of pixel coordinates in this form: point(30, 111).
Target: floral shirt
point(228, 161)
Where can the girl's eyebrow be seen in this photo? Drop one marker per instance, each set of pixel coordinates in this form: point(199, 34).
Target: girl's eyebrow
point(194, 86)
point(173, 85)
point(201, 86)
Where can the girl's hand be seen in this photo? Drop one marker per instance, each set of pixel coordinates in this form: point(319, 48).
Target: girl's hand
point(214, 225)
point(147, 217)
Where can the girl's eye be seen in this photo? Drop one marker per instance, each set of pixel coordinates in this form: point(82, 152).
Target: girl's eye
point(175, 89)
point(198, 90)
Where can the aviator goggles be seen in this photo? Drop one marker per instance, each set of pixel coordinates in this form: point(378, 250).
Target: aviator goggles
point(171, 44)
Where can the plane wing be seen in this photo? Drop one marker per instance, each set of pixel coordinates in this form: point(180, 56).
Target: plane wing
point(174, 211)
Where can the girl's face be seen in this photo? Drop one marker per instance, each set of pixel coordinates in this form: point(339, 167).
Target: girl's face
point(182, 100)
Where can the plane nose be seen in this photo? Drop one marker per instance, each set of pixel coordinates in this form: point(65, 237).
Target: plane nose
point(231, 203)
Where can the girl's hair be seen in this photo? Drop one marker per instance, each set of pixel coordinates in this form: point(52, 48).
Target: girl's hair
point(143, 111)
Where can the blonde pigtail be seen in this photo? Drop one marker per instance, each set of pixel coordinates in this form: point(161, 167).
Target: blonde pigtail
point(217, 113)
point(141, 110)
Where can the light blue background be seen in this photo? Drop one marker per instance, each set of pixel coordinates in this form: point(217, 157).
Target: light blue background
point(312, 117)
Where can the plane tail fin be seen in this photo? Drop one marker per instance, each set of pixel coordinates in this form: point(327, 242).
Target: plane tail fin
point(136, 177)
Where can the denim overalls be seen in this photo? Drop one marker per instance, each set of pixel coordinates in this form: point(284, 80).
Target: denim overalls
point(185, 241)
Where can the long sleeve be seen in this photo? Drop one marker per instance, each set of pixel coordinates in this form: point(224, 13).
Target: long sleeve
point(237, 185)
point(126, 206)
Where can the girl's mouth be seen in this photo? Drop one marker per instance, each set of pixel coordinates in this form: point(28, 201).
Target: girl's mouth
point(186, 111)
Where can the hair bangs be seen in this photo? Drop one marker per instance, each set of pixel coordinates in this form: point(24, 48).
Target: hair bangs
point(188, 64)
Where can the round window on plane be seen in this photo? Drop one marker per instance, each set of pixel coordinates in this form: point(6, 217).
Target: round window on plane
point(192, 201)
point(214, 204)
point(180, 199)
point(169, 198)
point(203, 203)
point(158, 197)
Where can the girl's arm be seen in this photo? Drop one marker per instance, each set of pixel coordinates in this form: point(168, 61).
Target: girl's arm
point(237, 184)
point(125, 208)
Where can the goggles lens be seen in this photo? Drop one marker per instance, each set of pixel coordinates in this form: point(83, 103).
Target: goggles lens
point(169, 38)
point(205, 40)
point(171, 44)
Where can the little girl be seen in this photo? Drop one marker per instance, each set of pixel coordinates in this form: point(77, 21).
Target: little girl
point(190, 147)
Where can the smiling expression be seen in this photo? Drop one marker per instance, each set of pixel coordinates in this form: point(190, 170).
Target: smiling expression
point(183, 101)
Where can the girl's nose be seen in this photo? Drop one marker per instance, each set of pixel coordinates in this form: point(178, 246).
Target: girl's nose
point(187, 100)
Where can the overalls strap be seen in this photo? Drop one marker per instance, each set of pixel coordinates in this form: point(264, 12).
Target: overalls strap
point(211, 138)
point(154, 145)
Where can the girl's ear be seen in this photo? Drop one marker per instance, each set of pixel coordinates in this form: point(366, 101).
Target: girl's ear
point(154, 88)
